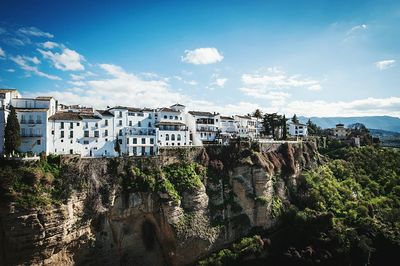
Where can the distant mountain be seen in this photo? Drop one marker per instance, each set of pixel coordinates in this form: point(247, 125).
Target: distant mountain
point(388, 123)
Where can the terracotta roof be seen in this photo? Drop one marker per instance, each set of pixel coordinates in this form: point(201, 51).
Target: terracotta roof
point(226, 117)
point(65, 116)
point(170, 123)
point(244, 116)
point(31, 109)
point(44, 97)
point(105, 112)
point(166, 109)
point(201, 113)
point(89, 116)
point(6, 90)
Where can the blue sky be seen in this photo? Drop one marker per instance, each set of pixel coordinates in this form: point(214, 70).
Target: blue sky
point(314, 58)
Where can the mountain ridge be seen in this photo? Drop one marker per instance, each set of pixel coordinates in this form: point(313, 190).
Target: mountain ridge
point(388, 123)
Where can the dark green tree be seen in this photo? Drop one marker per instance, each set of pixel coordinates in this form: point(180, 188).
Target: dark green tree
point(295, 119)
point(12, 133)
point(313, 128)
point(117, 146)
point(284, 128)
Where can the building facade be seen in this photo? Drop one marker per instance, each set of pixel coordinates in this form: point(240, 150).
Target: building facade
point(53, 128)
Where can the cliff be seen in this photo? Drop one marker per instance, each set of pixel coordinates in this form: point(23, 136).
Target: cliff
point(168, 210)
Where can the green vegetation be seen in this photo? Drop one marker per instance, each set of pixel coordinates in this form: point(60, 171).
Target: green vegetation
point(11, 133)
point(235, 255)
point(348, 207)
point(32, 185)
point(166, 186)
point(185, 176)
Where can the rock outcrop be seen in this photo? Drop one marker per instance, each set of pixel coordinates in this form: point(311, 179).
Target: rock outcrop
point(245, 187)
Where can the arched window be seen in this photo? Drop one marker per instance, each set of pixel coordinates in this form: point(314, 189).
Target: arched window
point(178, 137)
point(166, 136)
point(172, 136)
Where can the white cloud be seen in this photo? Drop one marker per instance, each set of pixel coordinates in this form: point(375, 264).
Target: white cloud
point(2, 53)
point(357, 28)
point(35, 32)
point(34, 59)
point(220, 82)
point(118, 87)
point(67, 60)
point(384, 64)
point(275, 79)
point(315, 87)
point(191, 82)
point(77, 83)
point(11, 70)
point(23, 64)
point(49, 45)
point(77, 77)
point(202, 56)
point(361, 107)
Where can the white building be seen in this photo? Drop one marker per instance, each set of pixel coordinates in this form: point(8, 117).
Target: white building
point(297, 129)
point(247, 126)
point(207, 126)
point(340, 132)
point(173, 126)
point(86, 134)
point(33, 115)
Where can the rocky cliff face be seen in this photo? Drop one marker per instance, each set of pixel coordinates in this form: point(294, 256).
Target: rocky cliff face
point(245, 187)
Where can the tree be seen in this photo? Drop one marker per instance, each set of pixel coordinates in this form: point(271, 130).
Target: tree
point(295, 120)
point(12, 133)
point(313, 128)
point(284, 128)
point(257, 114)
point(117, 147)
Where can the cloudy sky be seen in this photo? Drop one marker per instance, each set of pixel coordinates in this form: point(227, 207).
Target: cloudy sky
point(313, 58)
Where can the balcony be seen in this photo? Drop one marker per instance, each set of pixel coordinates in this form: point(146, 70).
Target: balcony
point(31, 135)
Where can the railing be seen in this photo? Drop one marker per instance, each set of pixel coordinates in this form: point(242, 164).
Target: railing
point(30, 135)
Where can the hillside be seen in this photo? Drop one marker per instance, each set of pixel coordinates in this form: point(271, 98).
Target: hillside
point(387, 123)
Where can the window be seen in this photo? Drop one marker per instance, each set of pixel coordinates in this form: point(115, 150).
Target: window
point(96, 124)
point(71, 134)
point(176, 117)
point(52, 132)
point(38, 142)
point(86, 133)
point(106, 133)
point(71, 125)
point(62, 125)
point(165, 117)
point(170, 117)
point(178, 137)
point(61, 134)
point(143, 150)
point(85, 142)
point(172, 136)
point(149, 124)
point(127, 140)
point(151, 141)
point(96, 134)
point(120, 132)
point(106, 140)
point(119, 122)
point(106, 122)
point(143, 141)
point(139, 124)
point(167, 137)
point(120, 141)
point(71, 151)
point(120, 114)
point(134, 140)
point(130, 123)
